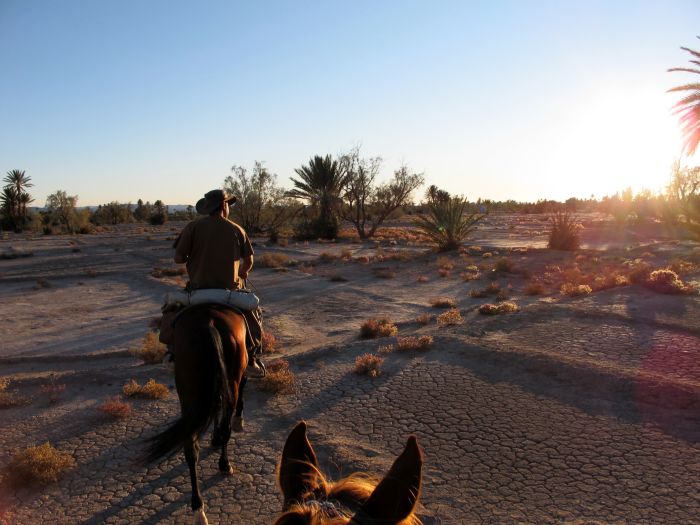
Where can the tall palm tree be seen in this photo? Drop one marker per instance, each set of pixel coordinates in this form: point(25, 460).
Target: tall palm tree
point(320, 183)
point(20, 181)
point(689, 106)
point(8, 199)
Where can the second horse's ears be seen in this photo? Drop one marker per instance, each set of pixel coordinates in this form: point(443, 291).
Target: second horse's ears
point(298, 471)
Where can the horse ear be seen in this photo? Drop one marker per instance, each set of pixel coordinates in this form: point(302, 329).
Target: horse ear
point(299, 467)
point(396, 495)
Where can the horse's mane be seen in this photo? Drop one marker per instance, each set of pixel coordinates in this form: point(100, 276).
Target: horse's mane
point(349, 492)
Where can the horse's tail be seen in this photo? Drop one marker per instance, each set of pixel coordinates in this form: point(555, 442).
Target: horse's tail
point(213, 393)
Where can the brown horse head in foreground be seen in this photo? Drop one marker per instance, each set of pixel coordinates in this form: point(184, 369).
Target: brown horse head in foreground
point(210, 361)
point(311, 499)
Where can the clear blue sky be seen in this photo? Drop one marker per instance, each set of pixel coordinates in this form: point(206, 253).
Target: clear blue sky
point(153, 99)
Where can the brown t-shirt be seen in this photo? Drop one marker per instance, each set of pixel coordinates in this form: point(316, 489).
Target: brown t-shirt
point(213, 247)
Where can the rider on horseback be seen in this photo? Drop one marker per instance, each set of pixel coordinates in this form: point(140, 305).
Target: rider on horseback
point(218, 254)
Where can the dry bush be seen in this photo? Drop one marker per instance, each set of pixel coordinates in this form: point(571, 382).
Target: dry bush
point(504, 266)
point(328, 257)
point(385, 349)
point(534, 288)
point(346, 254)
point(450, 317)
point(42, 283)
point(38, 464)
point(443, 273)
point(151, 390)
point(682, 266)
point(470, 276)
point(151, 351)
point(423, 279)
point(373, 328)
point(169, 272)
point(13, 253)
point(667, 281)
point(424, 319)
point(575, 290)
point(90, 272)
point(612, 280)
point(500, 308)
point(10, 399)
point(443, 302)
point(272, 260)
point(384, 273)
point(336, 278)
point(4, 383)
point(445, 263)
point(639, 272)
point(477, 294)
point(487, 255)
point(564, 234)
point(116, 408)
point(279, 378)
point(53, 390)
point(368, 365)
point(411, 342)
point(363, 259)
point(269, 341)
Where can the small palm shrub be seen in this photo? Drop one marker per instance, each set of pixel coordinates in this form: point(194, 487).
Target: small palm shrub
point(279, 378)
point(368, 365)
point(450, 317)
point(666, 281)
point(409, 343)
point(151, 351)
point(116, 408)
point(448, 223)
point(565, 233)
point(150, 390)
point(38, 464)
point(373, 328)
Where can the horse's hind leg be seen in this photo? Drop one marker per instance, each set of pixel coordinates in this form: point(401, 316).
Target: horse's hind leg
point(192, 456)
point(238, 418)
point(224, 434)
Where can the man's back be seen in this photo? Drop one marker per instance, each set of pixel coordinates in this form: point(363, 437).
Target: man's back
point(213, 247)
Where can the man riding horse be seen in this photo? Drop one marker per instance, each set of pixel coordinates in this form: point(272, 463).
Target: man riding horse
point(218, 254)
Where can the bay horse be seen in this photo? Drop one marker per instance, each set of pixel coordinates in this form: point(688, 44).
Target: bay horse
point(210, 361)
point(311, 499)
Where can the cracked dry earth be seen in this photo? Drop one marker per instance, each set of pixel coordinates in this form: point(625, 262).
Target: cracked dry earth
point(571, 411)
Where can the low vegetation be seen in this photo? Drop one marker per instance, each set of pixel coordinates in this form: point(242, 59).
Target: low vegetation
point(116, 408)
point(443, 302)
point(405, 344)
point(424, 319)
point(269, 341)
point(499, 308)
point(271, 260)
point(667, 281)
point(38, 465)
point(373, 328)
point(10, 399)
point(447, 222)
point(575, 290)
point(450, 317)
point(150, 390)
point(368, 365)
point(53, 390)
point(152, 350)
point(279, 378)
point(564, 234)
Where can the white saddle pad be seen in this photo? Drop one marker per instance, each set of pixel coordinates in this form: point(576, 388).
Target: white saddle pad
point(242, 299)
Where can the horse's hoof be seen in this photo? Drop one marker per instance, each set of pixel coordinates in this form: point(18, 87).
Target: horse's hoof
point(226, 470)
point(199, 517)
point(237, 424)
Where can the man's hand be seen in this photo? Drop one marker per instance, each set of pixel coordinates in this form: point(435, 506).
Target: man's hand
point(243, 275)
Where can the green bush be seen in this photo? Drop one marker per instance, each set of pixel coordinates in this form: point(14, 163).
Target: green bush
point(448, 223)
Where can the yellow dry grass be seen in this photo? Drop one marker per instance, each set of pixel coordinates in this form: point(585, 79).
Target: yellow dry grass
point(150, 390)
point(450, 317)
point(151, 351)
point(405, 344)
point(368, 365)
point(279, 378)
point(38, 464)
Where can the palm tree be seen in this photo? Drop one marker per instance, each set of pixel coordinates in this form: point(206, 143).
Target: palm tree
point(8, 198)
point(19, 181)
point(689, 106)
point(447, 222)
point(320, 183)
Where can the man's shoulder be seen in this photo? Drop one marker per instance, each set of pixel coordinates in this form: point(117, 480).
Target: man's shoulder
point(237, 227)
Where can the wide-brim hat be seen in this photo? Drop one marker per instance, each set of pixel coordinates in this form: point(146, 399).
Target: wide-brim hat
point(212, 200)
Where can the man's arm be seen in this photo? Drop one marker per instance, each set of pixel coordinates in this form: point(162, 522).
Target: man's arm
point(245, 267)
point(183, 244)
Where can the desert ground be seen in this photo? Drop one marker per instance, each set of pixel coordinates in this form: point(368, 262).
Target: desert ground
point(574, 409)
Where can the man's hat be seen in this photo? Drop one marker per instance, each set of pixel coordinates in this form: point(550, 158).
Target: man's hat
point(212, 200)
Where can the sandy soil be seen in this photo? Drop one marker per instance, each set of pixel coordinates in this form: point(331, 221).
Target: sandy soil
point(572, 410)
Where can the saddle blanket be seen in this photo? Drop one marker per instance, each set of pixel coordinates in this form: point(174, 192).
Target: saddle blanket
point(243, 299)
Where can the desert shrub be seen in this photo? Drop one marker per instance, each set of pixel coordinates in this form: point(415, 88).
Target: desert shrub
point(151, 390)
point(269, 341)
point(447, 222)
point(487, 255)
point(13, 253)
point(424, 319)
point(91, 272)
point(639, 272)
point(504, 266)
point(385, 349)
point(666, 281)
point(4, 383)
point(500, 308)
point(442, 272)
point(534, 288)
point(368, 365)
point(477, 294)
point(410, 342)
point(575, 290)
point(682, 266)
point(564, 234)
point(373, 328)
point(423, 279)
point(10, 399)
point(53, 390)
point(443, 302)
point(42, 283)
point(279, 378)
point(169, 272)
point(328, 257)
point(612, 280)
point(450, 317)
point(116, 408)
point(272, 260)
point(38, 464)
point(384, 273)
point(337, 278)
point(445, 263)
point(151, 351)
